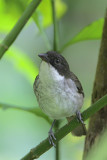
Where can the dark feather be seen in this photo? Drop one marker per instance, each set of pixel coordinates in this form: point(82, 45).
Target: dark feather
point(36, 83)
point(77, 82)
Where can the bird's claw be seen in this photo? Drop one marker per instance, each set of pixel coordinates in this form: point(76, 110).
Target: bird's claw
point(51, 137)
point(79, 117)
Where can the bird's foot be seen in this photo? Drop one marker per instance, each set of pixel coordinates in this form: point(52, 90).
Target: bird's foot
point(51, 137)
point(79, 117)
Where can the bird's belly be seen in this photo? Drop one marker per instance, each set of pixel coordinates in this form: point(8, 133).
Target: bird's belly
point(57, 103)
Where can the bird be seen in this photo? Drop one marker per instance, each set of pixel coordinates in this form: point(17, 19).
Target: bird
point(59, 92)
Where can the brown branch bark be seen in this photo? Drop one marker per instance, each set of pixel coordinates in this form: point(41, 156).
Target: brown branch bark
point(98, 122)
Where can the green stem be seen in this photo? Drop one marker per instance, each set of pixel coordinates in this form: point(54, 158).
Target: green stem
point(55, 48)
point(10, 38)
point(57, 144)
point(55, 41)
point(45, 145)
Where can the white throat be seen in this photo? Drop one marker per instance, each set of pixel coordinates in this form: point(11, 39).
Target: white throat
point(48, 72)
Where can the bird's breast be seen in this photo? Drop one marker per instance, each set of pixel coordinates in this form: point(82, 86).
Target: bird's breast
point(58, 100)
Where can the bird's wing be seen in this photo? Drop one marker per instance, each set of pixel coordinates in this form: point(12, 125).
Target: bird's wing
point(77, 82)
point(36, 83)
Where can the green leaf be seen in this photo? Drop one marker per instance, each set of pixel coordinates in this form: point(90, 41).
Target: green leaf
point(22, 63)
point(90, 32)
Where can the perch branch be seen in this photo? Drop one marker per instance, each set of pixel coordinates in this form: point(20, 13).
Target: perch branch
point(45, 146)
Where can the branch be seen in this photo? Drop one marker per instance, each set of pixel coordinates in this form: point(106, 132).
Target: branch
point(45, 146)
point(10, 38)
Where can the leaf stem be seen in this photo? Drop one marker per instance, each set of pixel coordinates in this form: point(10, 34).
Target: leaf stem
point(10, 38)
point(45, 145)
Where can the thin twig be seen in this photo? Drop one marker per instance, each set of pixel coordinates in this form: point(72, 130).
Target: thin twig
point(45, 145)
point(55, 41)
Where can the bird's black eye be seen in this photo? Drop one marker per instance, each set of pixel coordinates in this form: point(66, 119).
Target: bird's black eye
point(56, 61)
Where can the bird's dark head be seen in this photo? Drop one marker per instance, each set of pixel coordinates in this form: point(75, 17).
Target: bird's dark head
point(57, 61)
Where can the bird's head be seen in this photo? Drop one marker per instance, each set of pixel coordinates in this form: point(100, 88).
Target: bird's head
point(57, 61)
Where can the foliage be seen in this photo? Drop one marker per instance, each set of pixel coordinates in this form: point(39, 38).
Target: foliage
point(90, 32)
point(42, 17)
point(14, 10)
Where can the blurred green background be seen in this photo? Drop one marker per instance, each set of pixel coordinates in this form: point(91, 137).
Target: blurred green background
point(19, 130)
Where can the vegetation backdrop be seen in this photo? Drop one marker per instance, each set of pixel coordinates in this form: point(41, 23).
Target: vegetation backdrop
point(80, 26)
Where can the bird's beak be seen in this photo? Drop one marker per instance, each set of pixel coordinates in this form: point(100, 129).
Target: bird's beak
point(44, 57)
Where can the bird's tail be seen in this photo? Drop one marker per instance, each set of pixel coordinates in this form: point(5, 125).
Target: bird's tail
point(80, 130)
